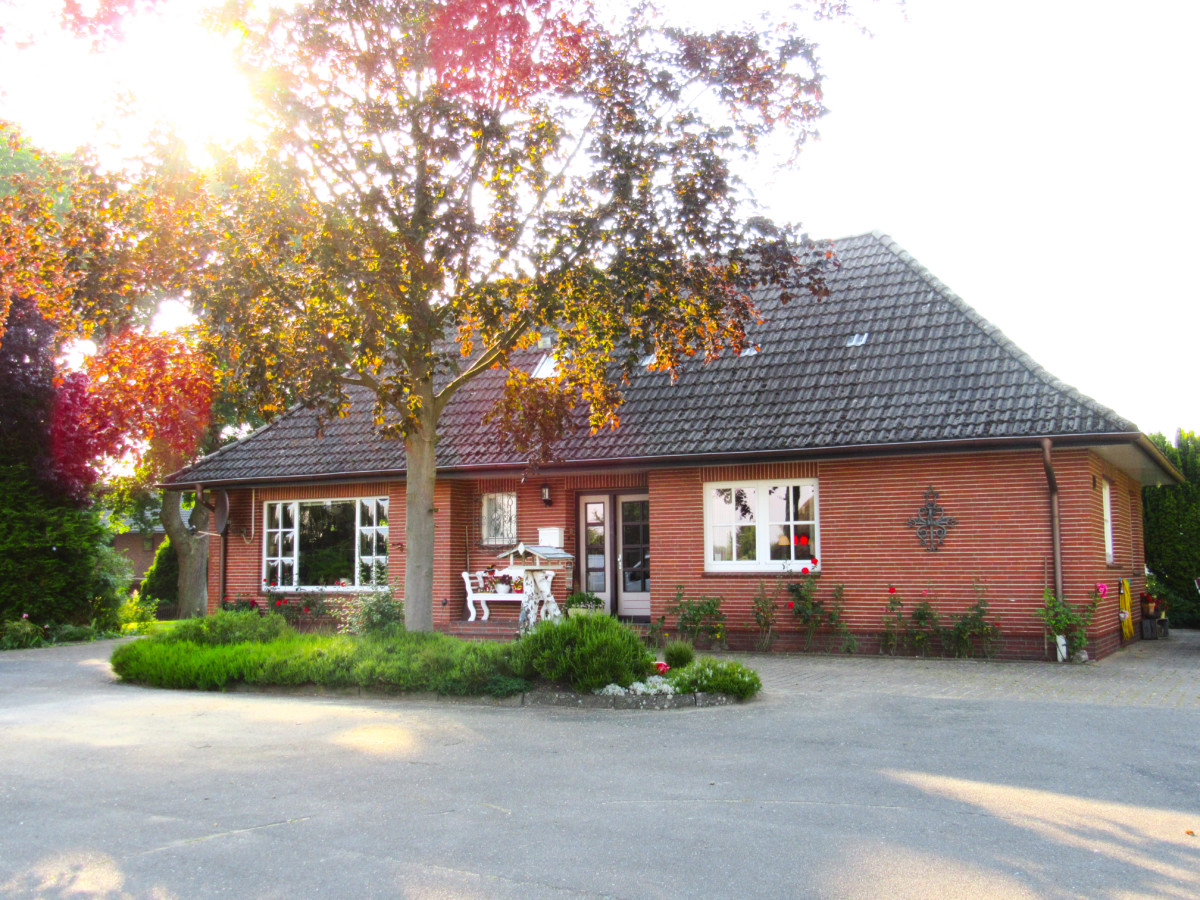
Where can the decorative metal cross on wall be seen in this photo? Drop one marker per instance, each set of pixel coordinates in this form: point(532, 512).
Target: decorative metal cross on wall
point(931, 522)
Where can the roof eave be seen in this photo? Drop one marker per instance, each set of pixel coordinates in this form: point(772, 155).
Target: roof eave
point(1154, 458)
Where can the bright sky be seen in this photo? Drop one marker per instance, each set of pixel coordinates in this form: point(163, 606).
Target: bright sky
point(1038, 156)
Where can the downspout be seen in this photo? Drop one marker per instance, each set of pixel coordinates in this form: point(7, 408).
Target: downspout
point(224, 564)
point(1055, 533)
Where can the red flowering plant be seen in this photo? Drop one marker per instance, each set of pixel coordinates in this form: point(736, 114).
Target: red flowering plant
point(1152, 606)
point(239, 603)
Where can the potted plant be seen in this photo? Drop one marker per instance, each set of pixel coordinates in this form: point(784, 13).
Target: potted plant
point(504, 583)
point(582, 603)
point(1149, 606)
point(518, 585)
point(1068, 624)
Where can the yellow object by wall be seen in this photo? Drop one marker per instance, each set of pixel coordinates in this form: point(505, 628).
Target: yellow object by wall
point(1127, 613)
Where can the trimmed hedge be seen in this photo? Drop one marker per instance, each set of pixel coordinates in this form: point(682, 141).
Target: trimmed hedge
point(586, 652)
point(230, 647)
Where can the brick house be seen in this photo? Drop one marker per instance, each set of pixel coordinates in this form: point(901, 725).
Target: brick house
point(824, 448)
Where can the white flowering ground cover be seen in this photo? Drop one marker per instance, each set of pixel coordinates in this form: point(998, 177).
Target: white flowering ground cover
point(655, 684)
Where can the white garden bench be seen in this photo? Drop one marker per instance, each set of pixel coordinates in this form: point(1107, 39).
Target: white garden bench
point(475, 591)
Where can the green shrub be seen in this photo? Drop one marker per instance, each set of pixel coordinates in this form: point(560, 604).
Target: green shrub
point(972, 633)
point(224, 627)
point(505, 686)
point(836, 619)
point(1062, 618)
point(586, 652)
point(52, 561)
point(891, 638)
point(20, 634)
point(717, 676)
point(922, 627)
point(482, 668)
point(766, 608)
point(65, 634)
point(1172, 530)
point(161, 582)
point(700, 618)
point(388, 661)
point(368, 613)
point(809, 611)
point(183, 664)
point(136, 611)
point(678, 654)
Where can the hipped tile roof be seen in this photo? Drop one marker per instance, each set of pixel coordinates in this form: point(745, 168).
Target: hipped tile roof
point(930, 369)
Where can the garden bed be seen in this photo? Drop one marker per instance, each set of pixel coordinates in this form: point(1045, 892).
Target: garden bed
point(560, 663)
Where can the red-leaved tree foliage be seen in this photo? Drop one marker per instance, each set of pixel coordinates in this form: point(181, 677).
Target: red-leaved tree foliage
point(94, 251)
point(152, 396)
point(80, 438)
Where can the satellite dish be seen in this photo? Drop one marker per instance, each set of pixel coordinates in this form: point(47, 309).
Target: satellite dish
point(221, 512)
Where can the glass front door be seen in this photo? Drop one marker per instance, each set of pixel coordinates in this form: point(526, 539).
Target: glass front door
point(633, 558)
point(614, 551)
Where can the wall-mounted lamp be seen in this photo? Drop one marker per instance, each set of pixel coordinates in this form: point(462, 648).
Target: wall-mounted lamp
point(546, 494)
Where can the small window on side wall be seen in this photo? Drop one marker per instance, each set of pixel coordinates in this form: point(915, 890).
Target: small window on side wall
point(1106, 496)
point(499, 519)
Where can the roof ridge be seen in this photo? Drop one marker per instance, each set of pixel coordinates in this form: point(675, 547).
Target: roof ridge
point(1003, 341)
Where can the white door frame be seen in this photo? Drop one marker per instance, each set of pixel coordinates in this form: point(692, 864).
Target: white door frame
point(629, 603)
point(602, 576)
point(595, 575)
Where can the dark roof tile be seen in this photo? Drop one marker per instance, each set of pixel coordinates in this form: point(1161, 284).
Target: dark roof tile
point(931, 369)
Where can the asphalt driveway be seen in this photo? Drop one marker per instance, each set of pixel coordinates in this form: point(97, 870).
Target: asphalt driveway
point(849, 777)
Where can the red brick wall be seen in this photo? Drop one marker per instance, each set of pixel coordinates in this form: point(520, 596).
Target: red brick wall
point(245, 541)
point(139, 549)
point(532, 514)
point(1002, 538)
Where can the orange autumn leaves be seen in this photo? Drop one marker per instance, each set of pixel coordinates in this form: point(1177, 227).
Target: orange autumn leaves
point(153, 394)
point(94, 253)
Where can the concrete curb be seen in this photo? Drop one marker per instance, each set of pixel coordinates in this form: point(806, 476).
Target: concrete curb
point(542, 697)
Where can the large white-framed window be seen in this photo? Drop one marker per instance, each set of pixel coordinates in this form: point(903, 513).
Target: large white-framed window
point(1106, 498)
point(769, 525)
point(498, 524)
point(323, 545)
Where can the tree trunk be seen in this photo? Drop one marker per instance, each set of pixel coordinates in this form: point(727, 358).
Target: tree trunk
point(418, 526)
point(192, 550)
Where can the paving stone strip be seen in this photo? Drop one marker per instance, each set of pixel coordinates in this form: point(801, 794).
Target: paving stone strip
point(1162, 674)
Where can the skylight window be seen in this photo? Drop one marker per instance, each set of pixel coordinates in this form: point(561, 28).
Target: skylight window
point(857, 340)
point(547, 367)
